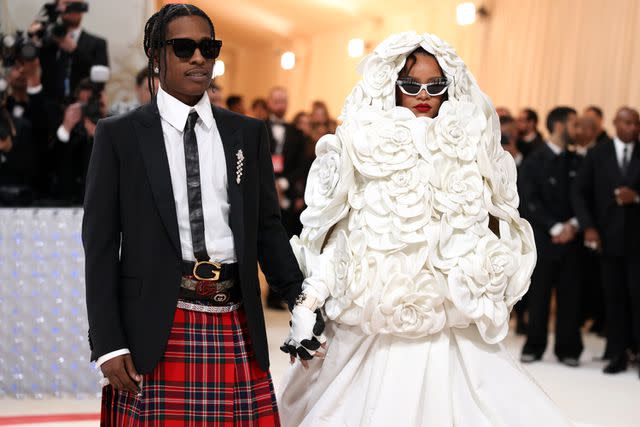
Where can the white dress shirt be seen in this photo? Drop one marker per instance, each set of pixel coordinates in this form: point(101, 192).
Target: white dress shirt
point(620, 147)
point(213, 181)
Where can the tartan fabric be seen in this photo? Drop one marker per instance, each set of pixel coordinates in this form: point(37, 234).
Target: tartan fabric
point(208, 376)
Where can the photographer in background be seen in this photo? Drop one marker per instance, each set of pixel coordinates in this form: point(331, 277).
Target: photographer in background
point(74, 138)
point(143, 96)
point(67, 52)
point(16, 156)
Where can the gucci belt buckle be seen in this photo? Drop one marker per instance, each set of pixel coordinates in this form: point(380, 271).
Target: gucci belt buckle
point(216, 268)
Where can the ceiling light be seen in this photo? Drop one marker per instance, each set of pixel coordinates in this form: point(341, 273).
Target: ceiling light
point(356, 48)
point(218, 68)
point(466, 13)
point(288, 61)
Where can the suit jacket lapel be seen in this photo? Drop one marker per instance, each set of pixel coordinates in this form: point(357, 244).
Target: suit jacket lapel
point(634, 165)
point(232, 141)
point(151, 139)
point(613, 164)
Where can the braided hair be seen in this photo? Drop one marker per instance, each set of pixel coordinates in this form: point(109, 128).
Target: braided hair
point(155, 31)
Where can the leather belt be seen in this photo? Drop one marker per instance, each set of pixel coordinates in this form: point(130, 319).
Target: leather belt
point(210, 270)
point(212, 293)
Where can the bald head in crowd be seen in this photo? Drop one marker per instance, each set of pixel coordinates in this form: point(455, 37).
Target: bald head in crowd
point(627, 124)
point(278, 101)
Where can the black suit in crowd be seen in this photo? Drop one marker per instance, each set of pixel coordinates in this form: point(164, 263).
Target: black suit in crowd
point(91, 50)
point(71, 161)
point(545, 184)
point(528, 147)
point(131, 239)
point(619, 229)
point(17, 167)
point(294, 169)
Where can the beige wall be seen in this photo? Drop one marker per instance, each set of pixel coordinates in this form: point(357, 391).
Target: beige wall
point(537, 53)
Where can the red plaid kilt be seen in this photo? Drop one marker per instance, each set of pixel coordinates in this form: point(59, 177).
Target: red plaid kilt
point(208, 376)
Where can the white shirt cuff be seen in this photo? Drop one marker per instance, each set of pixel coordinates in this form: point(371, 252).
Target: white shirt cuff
point(63, 134)
point(112, 355)
point(556, 230)
point(574, 221)
point(34, 90)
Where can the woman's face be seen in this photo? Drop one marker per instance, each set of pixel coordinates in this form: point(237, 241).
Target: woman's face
point(186, 79)
point(424, 70)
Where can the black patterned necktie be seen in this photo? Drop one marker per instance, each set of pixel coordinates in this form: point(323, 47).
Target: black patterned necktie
point(194, 192)
point(625, 159)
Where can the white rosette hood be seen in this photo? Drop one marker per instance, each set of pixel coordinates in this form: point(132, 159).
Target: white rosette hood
point(396, 236)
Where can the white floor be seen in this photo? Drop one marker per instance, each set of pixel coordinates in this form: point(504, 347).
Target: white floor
point(587, 396)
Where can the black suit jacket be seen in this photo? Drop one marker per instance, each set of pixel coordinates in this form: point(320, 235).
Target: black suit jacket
point(131, 239)
point(545, 183)
point(293, 152)
point(595, 203)
point(91, 50)
point(527, 148)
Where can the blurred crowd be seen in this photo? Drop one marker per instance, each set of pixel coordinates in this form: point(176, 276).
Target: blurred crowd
point(578, 185)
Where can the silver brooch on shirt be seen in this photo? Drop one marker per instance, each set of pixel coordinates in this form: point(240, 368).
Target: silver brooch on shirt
point(239, 166)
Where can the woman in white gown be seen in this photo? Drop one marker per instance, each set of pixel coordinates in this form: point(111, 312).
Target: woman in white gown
point(398, 251)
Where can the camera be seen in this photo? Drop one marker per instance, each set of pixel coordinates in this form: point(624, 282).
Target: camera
point(16, 47)
point(53, 26)
point(93, 108)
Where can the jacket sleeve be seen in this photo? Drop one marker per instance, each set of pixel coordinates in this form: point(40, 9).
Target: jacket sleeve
point(582, 194)
point(530, 187)
point(274, 252)
point(101, 241)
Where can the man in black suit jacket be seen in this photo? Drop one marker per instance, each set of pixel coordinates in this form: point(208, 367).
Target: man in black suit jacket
point(608, 207)
point(545, 181)
point(530, 138)
point(180, 207)
point(595, 113)
point(288, 156)
point(67, 61)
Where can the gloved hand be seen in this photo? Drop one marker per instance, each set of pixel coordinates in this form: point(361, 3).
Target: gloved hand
point(305, 335)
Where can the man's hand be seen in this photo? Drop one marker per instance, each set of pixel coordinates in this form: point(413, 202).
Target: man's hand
point(592, 239)
point(121, 373)
point(626, 196)
point(67, 43)
point(72, 116)
point(90, 127)
point(6, 144)
point(306, 335)
point(567, 235)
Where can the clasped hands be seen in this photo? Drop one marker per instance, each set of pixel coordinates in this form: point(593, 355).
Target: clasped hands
point(305, 336)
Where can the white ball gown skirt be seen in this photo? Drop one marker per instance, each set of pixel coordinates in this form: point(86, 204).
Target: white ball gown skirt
point(453, 378)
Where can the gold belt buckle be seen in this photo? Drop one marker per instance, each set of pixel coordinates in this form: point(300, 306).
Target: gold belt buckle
point(216, 271)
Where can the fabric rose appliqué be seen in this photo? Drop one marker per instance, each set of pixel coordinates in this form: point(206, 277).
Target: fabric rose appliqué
point(478, 284)
point(457, 130)
point(410, 307)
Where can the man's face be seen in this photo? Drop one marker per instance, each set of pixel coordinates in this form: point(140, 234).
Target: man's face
point(277, 103)
point(186, 79)
point(16, 78)
point(71, 19)
point(523, 123)
point(586, 130)
point(596, 118)
point(627, 124)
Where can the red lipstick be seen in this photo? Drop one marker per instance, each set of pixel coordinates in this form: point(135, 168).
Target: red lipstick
point(423, 108)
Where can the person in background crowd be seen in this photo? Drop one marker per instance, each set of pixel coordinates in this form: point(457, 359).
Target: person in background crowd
point(302, 122)
point(236, 104)
point(320, 114)
point(593, 305)
point(529, 138)
point(68, 60)
point(73, 145)
point(595, 113)
point(17, 165)
point(509, 130)
point(546, 181)
point(259, 109)
point(216, 95)
point(607, 200)
point(503, 111)
point(143, 96)
point(288, 158)
point(26, 101)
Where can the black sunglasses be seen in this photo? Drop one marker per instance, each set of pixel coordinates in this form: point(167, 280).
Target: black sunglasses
point(185, 48)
